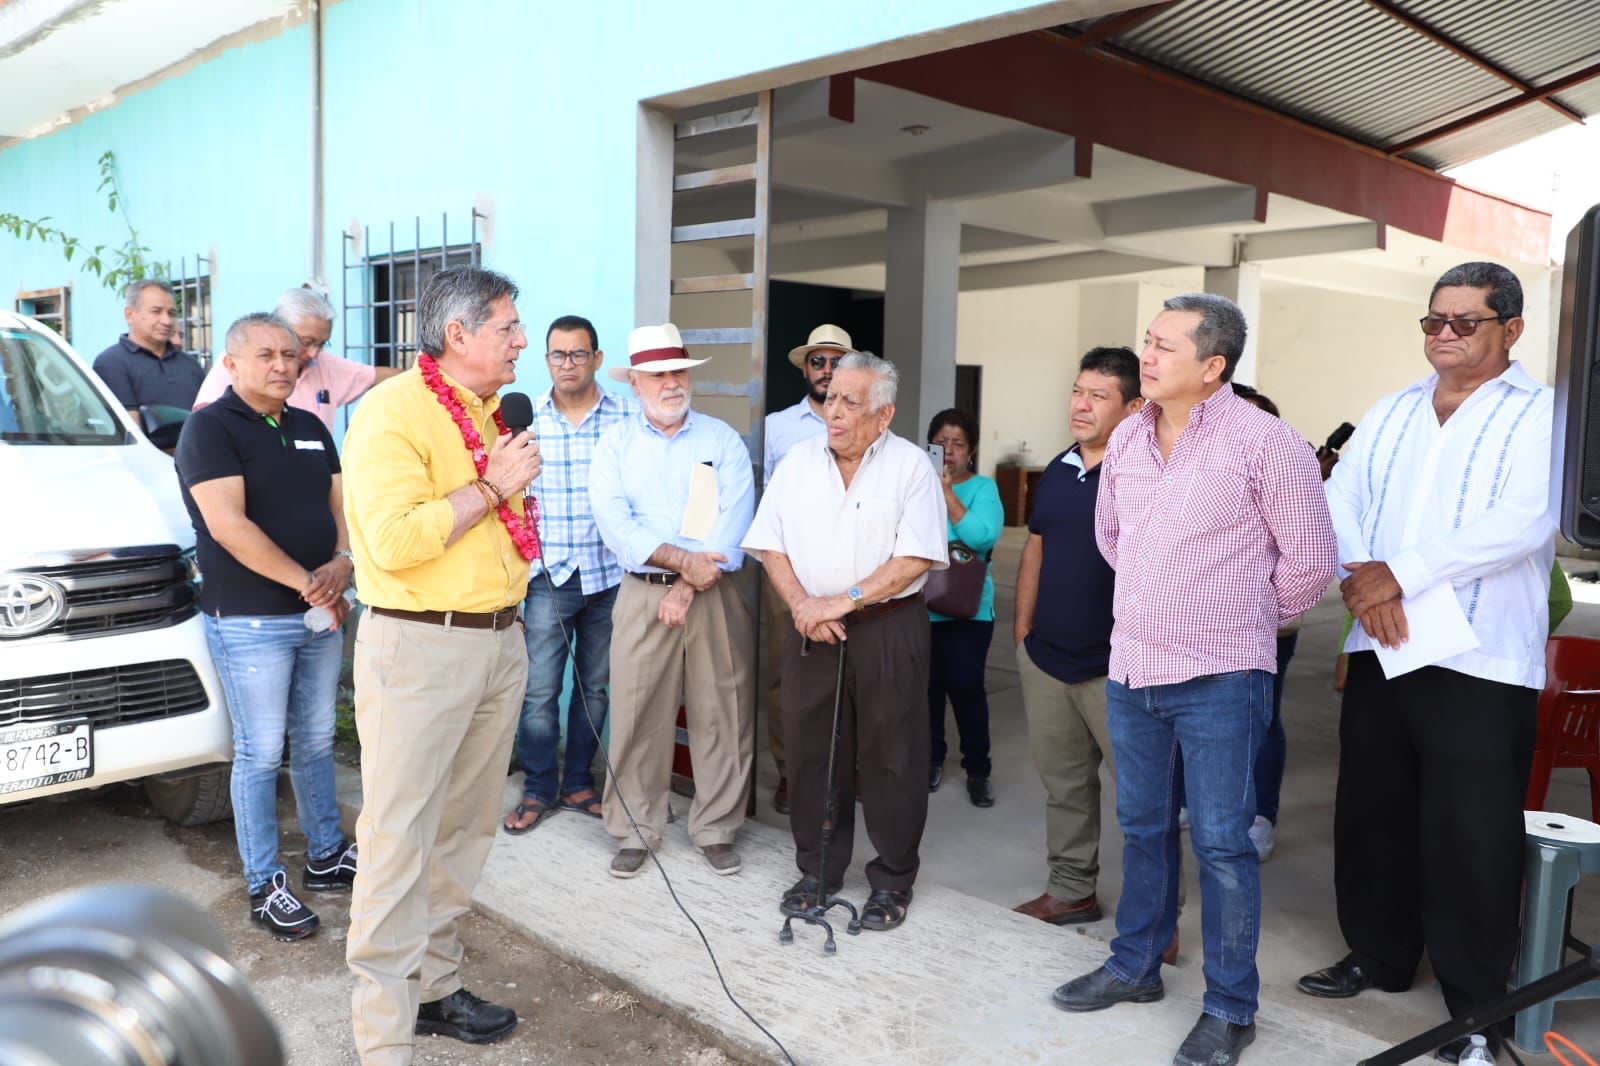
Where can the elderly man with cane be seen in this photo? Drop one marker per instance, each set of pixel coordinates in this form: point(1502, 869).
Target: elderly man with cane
point(847, 530)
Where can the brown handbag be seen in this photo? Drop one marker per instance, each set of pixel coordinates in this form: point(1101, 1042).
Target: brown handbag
point(958, 591)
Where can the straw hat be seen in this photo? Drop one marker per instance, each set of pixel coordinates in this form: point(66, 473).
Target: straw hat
point(824, 336)
point(655, 350)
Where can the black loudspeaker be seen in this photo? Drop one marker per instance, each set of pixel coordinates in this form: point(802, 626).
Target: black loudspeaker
point(1576, 460)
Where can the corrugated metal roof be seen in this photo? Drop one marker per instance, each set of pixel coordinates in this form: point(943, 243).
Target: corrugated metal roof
point(1346, 66)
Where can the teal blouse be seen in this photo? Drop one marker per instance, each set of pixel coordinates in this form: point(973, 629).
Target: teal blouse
point(978, 529)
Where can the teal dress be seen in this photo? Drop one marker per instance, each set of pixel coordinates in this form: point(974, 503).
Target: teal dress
point(979, 529)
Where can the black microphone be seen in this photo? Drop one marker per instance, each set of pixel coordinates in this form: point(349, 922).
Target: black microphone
point(517, 411)
point(1336, 439)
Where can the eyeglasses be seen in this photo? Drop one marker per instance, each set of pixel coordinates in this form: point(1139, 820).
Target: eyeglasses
point(818, 362)
point(577, 357)
point(1433, 325)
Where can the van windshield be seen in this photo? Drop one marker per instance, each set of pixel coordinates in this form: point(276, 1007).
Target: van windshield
point(45, 398)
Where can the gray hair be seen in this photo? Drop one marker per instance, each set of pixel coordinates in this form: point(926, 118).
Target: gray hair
point(1505, 291)
point(461, 294)
point(303, 303)
point(886, 379)
point(1222, 328)
point(131, 294)
point(244, 323)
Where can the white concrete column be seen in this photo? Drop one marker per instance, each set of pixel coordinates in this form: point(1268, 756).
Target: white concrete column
point(1242, 285)
point(652, 276)
point(922, 256)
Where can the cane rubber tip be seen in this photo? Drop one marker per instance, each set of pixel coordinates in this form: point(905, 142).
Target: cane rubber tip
point(854, 928)
point(830, 947)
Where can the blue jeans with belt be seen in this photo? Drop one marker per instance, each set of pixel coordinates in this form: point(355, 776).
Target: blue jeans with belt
point(281, 680)
point(1212, 728)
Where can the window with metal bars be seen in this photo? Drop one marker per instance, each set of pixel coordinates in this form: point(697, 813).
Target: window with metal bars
point(382, 287)
point(53, 307)
point(191, 285)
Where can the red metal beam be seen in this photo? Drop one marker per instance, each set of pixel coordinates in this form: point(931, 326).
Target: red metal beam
point(1560, 85)
point(1045, 80)
point(1451, 45)
point(1118, 24)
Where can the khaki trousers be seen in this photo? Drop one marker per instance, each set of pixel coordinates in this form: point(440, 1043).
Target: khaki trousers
point(435, 709)
point(1067, 732)
point(779, 623)
point(704, 665)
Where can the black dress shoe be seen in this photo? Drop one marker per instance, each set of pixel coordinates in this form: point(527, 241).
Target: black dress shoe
point(1214, 1042)
point(463, 1016)
point(1342, 980)
point(935, 778)
point(802, 896)
point(1099, 990)
point(980, 792)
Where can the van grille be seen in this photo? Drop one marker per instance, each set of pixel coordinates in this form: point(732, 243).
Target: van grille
point(150, 590)
point(110, 696)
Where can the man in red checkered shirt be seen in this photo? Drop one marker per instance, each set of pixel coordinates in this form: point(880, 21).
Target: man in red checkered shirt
point(1212, 513)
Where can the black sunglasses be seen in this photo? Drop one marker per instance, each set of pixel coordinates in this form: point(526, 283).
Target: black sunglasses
point(1433, 325)
point(818, 362)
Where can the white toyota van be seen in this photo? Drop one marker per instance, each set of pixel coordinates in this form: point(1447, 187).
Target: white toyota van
point(105, 675)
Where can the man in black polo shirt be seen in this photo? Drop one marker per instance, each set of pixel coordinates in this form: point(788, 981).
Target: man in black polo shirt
point(145, 366)
point(261, 481)
point(1063, 634)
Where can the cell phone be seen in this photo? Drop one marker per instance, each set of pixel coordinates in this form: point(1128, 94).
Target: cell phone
point(936, 453)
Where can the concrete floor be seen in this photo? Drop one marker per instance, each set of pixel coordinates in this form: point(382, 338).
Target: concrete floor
point(998, 854)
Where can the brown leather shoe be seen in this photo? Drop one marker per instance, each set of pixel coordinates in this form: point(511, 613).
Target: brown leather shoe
point(780, 796)
point(1170, 955)
point(1048, 908)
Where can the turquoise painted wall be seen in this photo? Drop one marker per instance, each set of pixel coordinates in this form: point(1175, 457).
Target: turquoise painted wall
point(431, 107)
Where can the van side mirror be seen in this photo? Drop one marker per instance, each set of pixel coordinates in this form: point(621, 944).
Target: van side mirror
point(162, 424)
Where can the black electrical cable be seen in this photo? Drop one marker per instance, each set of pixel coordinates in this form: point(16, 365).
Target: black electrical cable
point(611, 775)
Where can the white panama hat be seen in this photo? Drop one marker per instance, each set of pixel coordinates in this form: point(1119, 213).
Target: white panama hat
point(655, 350)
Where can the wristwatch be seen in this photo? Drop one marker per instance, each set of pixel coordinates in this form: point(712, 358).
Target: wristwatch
point(857, 597)
point(346, 553)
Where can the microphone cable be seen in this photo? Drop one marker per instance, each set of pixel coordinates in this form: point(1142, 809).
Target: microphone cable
point(611, 778)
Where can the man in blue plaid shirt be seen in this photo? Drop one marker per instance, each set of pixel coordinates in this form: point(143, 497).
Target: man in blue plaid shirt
point(585, 575)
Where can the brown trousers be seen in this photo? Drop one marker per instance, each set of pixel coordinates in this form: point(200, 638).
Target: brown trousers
point(704, 665)
point(436, 709)
point(883, 744)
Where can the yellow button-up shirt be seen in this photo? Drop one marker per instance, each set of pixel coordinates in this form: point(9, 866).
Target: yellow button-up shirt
point(403, 454)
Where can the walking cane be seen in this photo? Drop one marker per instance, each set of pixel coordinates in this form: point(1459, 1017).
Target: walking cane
point(826, 901)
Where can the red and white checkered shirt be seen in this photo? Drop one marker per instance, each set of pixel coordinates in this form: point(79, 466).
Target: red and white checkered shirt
point(1214, 547)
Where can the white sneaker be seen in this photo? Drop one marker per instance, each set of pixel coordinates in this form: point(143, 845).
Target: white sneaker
point(1264, 835)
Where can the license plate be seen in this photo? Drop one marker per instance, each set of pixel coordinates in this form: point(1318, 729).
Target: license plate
point(34, 756)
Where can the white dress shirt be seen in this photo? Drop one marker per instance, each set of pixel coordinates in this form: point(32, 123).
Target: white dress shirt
point(836, 537)
point(783, 430)
point(1466, 502)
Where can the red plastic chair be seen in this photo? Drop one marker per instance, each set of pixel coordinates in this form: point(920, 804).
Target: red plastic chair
point(1569, 718)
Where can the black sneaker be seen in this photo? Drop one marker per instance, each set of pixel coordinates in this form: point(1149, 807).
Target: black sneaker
point(465, 1017)
point(336, 873)
point(276, 909)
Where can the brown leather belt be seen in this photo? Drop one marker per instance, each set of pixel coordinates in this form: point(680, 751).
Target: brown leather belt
point(497, 620)
point(652, 578)
point(874, 609)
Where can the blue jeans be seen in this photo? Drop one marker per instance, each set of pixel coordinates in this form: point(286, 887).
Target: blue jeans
point(1274, 753)
point(1212, 728)
point(588, 622)
point(281, 679)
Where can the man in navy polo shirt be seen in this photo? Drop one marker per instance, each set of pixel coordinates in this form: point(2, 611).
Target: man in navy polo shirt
point(145, 366)
point(1063, 634)
point(261, 481)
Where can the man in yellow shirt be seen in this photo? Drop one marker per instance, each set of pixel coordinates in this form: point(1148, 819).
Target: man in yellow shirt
point(434, 506)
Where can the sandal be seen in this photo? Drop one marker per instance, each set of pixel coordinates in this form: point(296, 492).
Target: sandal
point(585, 802)
point(885, 909)
point(529, 805)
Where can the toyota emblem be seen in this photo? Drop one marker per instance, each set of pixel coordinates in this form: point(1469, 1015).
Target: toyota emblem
point(29, 604)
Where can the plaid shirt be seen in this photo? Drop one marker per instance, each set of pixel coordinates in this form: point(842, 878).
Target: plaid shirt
point(1214, 547)
point(566, 528)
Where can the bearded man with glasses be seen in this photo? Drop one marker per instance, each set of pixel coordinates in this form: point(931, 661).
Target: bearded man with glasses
point(580, 592)
point(1442, 507)
point(816, 360)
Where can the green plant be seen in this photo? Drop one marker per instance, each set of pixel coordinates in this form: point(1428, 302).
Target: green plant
point(114, 265)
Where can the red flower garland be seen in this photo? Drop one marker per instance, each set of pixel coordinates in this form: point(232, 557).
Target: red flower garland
point(524, 530)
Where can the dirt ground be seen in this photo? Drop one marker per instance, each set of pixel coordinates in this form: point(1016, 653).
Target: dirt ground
point(569, 1017)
